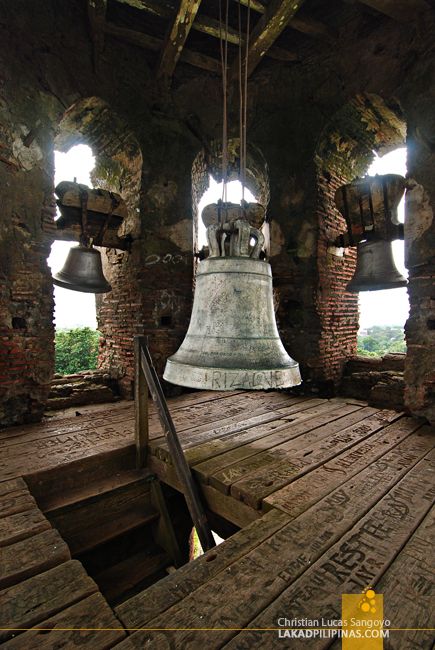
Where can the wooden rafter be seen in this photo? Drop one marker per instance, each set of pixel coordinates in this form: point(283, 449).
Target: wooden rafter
point(155, 44)
point(176, 37)
point(97, 18)
point(206, 25)
point(401, 10)
point(304, 24)
point(266, 31)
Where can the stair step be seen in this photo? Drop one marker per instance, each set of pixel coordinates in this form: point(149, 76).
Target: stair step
point(95, 490)
point(88, 538)
point(50, 486)
point(122, 578)
point(107, 509)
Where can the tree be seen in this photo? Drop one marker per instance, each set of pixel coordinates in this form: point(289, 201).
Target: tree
point(371, 343)
point(381, 340)
point(76, 350)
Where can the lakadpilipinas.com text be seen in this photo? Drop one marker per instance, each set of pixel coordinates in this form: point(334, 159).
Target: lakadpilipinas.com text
point(325, 628)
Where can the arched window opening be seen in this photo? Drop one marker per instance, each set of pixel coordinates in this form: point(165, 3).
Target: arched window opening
point(382, 314)
point(212, 195)
point(118, 169)
point(345, 150)
point(76, 336)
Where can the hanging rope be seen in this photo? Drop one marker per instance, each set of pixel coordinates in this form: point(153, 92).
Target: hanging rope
point(240, 100)
point(245, 108)
point(224, 63)
point(243, 95)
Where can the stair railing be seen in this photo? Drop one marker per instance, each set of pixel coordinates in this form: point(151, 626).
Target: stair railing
point(145, 375)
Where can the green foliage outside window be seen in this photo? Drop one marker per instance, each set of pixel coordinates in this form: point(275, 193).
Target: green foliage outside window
point(381, 340)
point(76, 350)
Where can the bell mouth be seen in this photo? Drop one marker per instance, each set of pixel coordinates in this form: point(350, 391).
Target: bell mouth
point(59, 281)
point(376, 286)
point(209, 378)
point(82, 271)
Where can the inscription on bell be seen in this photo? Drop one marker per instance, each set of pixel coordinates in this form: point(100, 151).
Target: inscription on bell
point(222, 380)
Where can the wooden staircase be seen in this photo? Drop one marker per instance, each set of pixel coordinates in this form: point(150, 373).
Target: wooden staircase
point(115, 520)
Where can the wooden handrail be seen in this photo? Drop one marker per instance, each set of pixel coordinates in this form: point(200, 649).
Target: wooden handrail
point(145, 372)
point(140, 406)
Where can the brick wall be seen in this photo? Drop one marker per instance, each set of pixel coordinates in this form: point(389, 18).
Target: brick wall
point(337, 308)
point(26, 294)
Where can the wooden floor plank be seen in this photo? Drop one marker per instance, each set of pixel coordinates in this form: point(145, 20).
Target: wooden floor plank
point(307, 490)
point(11, 486)
point(408, 587)
point(71, 422)
point(207, 432)
point(258, 427)
point(279, 472)
point(317, 428)
point(36, 599)
point(90, 623)
point(61, 450)
point(63, 441)
point(306, 424)
point(358, 560)
point(98, 412)
point(15, 502)
point(21, 525)
point(228, 422)
point(31, 556)
point(222, 438)
point(297, 576)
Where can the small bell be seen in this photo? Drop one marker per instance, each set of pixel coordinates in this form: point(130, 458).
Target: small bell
point(82, 271)
point(375, 268)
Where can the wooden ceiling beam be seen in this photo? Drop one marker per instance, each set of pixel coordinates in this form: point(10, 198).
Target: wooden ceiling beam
point(266, 31)
point(159, 8)
point(97, 18)
point(304, 24)
point(155, 44)
point(176, 37)
point(206, 25)
point(403, 11)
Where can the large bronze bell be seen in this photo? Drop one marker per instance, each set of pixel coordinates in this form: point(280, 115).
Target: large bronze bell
point(82, 271)
point(375, 268)
point(233, 341)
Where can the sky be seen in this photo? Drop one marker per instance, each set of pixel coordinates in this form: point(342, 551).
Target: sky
point(391, 306)
point(76, 309)
point(72, 308)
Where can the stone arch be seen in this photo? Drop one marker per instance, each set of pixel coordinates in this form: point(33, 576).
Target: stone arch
point(118, 168)
point(344, 151)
